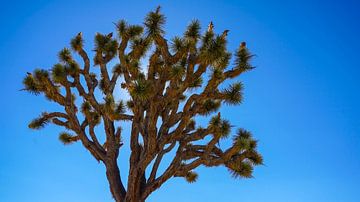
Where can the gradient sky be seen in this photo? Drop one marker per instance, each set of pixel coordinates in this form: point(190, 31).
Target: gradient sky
point(301, 102)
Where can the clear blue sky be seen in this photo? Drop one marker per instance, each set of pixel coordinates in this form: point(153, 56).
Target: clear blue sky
point(302, 101)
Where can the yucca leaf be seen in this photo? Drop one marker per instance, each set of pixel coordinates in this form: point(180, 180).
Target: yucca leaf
point(196, 83)
point(244, 170)
point(121, 28)
point(77, 42)
point(39, 123)
point(67, 138)
point(58, 73)
point(85, 107)
point(242, 59)
point(191, 177)
point(31, 85)
point(210, 106)
point(233, 94)
point(193, 31)
point(120, 107)
point(177, 44)
point(65, 55)
point(243, 139)
point(141, 90)
point(154, 22)
point(134, 31)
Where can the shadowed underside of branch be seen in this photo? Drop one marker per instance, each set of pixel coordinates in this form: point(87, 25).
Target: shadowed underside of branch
point(161, 108)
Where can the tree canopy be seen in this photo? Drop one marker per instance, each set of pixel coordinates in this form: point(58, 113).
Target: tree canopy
point(180, 83)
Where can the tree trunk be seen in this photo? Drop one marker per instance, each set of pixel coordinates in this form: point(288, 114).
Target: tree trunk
point(116, 187)
point(135, 193)
point(136, 178)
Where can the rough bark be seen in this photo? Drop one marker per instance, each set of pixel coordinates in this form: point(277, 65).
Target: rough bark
point(116, 186)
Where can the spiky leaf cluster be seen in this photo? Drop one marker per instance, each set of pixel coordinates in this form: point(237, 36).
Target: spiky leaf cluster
point(141, 90)
point(139, 46)
point(233, 94)
point(39, 123)
point(220, 126)
point(31, 85)
point(128, 31)
point(213, 51)
point(39, 82)
point(77, 42)
point(242, 164)
point(90, 113)
point(154, 23)
point(178, 44)
point(59, 73)
point(66, 138)
point(209, 106)
point(243, 57)
point(191, 176)
point(105, 47)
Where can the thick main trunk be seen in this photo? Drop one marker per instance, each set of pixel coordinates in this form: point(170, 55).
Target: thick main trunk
point(135, 193)
point(116, 187)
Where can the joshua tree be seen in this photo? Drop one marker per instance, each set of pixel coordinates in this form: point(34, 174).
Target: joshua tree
point(164, 99)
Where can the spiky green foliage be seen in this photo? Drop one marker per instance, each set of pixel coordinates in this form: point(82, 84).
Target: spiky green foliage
point(95, 118)
point(191, 177)
point(72, 68)
point(220, 126)
point(215, 121)
point(210, 106)
point(58, 73)
point(178, 44)
point(128, 31)
point(178, 72)
point(242, 58)
point(192, 33)
point(225, 128)
point(217, 73)
point(121, 26)
point(65, 55)
point(102, 85)
point(222, 61)
point(109, 104)
point(41, 75)
point(242, 169)
point(105, 47)
point(233, 94)
point(66, 138)
point(243, 139)
point(255, 158)
point(85, 107)
point(31, 85)
point(77, 42)
point(139, 46)
point(206, 40)
point(134, 31)
point(120, 107)
point(141, 89)
point(196, 83)
point(39, 123)
point(154, 23)
point(213, 51)
point(130, 104)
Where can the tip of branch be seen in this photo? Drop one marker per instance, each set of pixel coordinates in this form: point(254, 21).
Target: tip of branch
point(158, 9)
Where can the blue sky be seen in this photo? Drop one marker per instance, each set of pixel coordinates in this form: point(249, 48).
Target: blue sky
point(301, 102)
